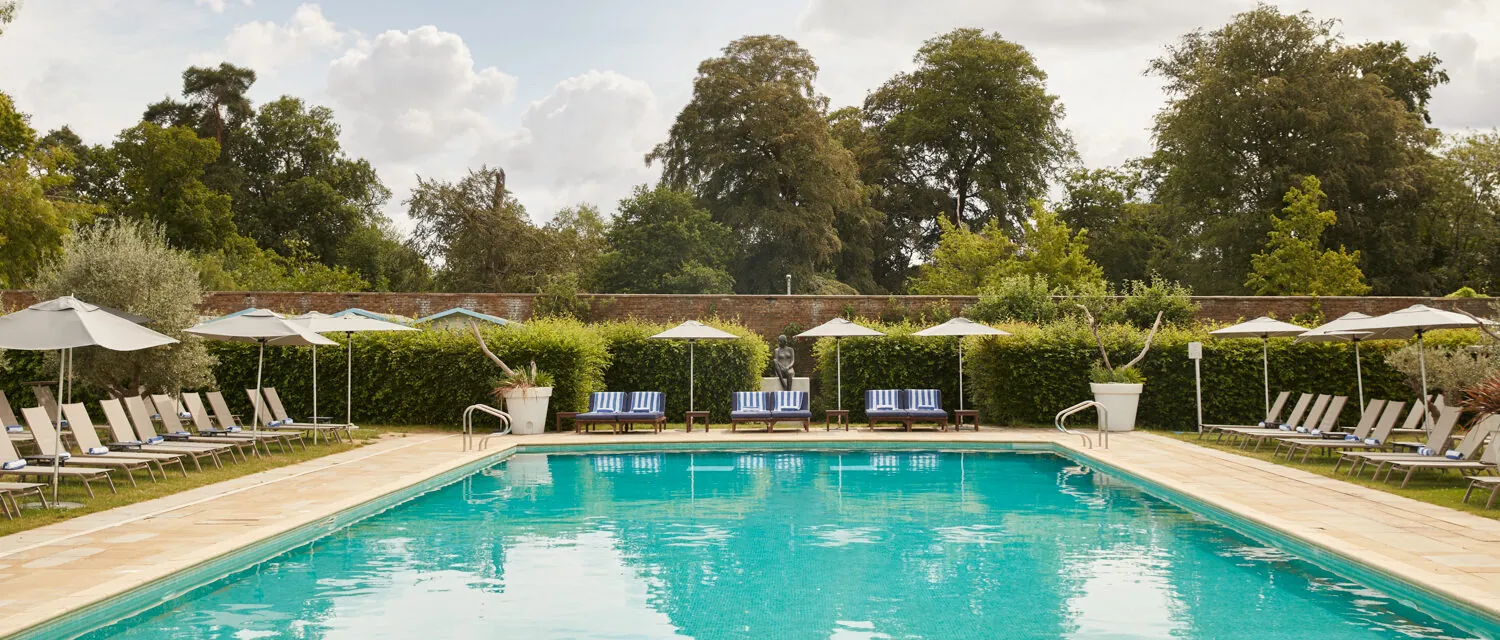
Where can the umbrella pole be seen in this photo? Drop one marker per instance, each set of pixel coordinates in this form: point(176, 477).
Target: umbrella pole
point(1265, 370)
point(68, 397)
point(260, 367)
point(315, 383)
point(960, 373)
point(691, 373)
point(838, 349)
point(62, 367)
point(1359, 378)
point(349, 380)
point(1422, 362)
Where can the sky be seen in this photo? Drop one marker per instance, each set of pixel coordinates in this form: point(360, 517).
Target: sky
point(569, 95)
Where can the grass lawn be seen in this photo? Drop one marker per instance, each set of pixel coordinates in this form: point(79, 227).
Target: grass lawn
point(73, 491)
point(1440, 488)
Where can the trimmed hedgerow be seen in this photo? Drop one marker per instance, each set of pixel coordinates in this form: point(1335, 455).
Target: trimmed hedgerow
point(421, 377)
point(639, 363)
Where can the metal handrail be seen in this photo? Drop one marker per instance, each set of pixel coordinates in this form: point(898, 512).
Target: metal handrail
point(1062, 416)
point(468, 424)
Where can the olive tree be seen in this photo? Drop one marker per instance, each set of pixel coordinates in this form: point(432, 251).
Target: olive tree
point(126, 264)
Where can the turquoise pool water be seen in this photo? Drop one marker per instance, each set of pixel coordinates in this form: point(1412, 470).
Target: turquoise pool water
point(785, 544)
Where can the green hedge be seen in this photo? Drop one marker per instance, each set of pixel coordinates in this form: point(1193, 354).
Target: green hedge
point(1028, 377)
point(420, 377)
point(638, 363)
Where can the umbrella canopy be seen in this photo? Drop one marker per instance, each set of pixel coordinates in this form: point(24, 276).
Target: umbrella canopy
point(1263, 328)
point(258, 325)
point(839, 328)
point(1413, 321)
point(961, 327)
point(67, 322)
point(693, 331)
point(1339, 331)
point(348, 324)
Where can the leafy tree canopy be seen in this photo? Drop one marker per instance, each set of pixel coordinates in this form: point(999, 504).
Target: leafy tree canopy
point(1294, 262)
point(662, 242)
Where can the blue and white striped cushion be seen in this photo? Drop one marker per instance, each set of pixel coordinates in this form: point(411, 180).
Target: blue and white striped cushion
point(645, 402)
point(749, 401)
point(788, 400)
point(606, 402)
point(884, 399)
point(924, 399)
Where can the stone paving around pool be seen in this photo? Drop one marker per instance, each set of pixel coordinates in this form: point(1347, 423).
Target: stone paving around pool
point(49, 571)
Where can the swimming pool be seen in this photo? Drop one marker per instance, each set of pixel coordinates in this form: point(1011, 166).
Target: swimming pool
point(786, 544)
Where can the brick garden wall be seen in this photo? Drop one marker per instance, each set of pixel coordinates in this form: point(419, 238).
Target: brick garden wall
point(767, 315)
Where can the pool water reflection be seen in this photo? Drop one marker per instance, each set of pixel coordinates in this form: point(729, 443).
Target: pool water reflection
point(784, 544)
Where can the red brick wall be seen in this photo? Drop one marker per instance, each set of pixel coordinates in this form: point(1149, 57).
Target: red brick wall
point(767, 315)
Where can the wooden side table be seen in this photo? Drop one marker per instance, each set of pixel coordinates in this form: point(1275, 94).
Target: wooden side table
point(564, 415)
point(835, 416)
point(959, 415)
point(690, 417)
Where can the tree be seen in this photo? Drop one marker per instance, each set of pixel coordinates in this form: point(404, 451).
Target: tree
point(1130, 237)
point(577, 235)
point(93, 170)
point(162, 179)
point(1294, 262)
point(384, 259)
point(34, 218)
point(480, 234)
point(215, 101)
point(126, 264)
point(1461, 219)
point(660, 241)
point(974, 121)
point(7, 13)
point(883, 244)
point(240, 265)
point(753, 146)
point(964, 261)
point(1269, 98)
point(296, 183)
point(1054, 251)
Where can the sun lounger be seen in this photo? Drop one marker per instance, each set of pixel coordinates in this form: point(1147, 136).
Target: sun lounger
point(87, 436)
point(1298, 421)
point(1298, 411)
point(925, 406)
point(174, 423)
point(1272, 417)
point(1322, 419)
point(645, 407)
point(8, 420)
point(1488, 482)
point(1437, 440)
point(47, 444)
point(281, 421)
point(169, 414)
point(9, 491)
point(45, 400)
point(13, 465)
point(1459, 459)
point(126, 438)
point(604, 408)
point(1293, 442)
point(749, 407)
point(883, 406)
point(145, 429)
point(789, 406)
point(205, 426)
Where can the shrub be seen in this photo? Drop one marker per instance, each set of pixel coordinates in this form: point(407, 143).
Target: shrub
point(421, 377)
point(1450, 371)
point(1466, 292)
point(1141, 301)
point(1023, 298)
point(639, 363)
point(898, 360)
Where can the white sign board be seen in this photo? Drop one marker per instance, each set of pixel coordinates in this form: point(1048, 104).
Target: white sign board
point(1195, 350)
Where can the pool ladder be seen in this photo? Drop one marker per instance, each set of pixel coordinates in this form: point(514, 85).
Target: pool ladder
point(1062, 418)
point(469, 424)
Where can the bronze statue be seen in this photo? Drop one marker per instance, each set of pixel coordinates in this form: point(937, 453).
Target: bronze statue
point(783, 359)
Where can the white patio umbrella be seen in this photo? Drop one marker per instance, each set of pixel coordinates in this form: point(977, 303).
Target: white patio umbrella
point(65, 324)
point(1264, 328)
point(693, 331)
point(838, 329)
point(1415, 320)
point(349, 324)
point(1339, 331)
point(961, 327)
point(261, 326)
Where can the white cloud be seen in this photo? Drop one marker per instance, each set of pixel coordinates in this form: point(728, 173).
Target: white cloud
point(413, 93)
point(584, 142)
point(264, 45)
point(1471, 99)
